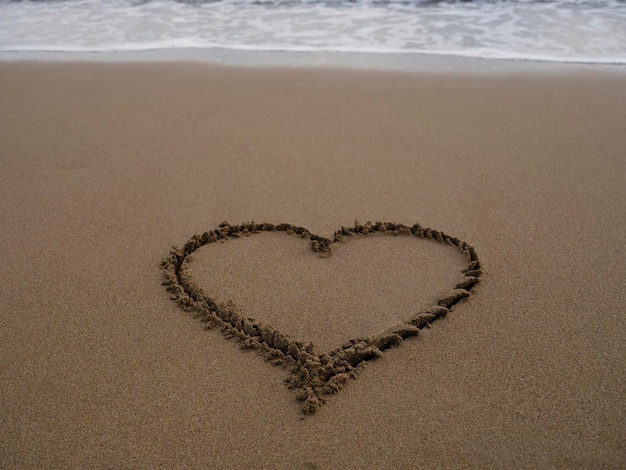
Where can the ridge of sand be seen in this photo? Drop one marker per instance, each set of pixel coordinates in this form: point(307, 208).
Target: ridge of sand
point(313, 375)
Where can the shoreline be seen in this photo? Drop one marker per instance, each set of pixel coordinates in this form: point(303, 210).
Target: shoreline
point(394, 62)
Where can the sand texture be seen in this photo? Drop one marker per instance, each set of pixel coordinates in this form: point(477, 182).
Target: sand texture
point(495, 339)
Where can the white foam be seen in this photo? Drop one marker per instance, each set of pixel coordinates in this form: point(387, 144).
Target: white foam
point(558, 31)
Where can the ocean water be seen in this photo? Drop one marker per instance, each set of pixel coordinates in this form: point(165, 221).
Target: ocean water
point(580, 31)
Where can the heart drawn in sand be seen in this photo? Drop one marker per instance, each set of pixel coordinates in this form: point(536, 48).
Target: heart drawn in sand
point(313, 375)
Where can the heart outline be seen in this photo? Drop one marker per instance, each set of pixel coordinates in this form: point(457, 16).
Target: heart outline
point(312, 375)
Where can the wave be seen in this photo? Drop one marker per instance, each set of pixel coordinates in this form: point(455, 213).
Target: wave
point(582, 31)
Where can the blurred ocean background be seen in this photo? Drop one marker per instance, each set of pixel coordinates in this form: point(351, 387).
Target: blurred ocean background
point(582, 31)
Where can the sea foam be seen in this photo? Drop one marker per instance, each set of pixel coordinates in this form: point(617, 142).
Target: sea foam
point(564, 30)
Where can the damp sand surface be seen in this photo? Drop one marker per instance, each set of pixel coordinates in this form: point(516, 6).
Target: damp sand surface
point(103, 168)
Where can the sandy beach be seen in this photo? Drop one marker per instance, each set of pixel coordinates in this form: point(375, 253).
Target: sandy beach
point(105, 167)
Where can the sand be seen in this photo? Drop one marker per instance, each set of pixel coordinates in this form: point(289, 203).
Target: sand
point(105, 167)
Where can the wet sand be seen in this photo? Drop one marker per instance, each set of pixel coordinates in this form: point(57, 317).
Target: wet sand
point(105, 167)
